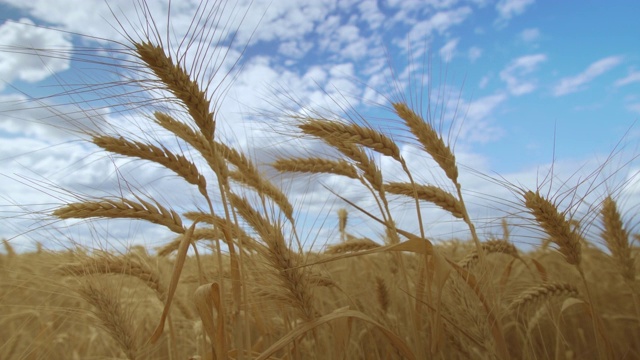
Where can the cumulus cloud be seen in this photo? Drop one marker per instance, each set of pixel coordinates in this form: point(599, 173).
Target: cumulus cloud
point(515, 74)
point(17, 61)
point(576, 83)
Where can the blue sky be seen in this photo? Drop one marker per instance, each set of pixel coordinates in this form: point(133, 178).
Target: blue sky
point(526, 77)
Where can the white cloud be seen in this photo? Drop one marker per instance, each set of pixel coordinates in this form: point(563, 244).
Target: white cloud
point(633, 77)
point(18, 62)
point(509, 8)
point(530, 35)
point(448, 50)
point(514, 74)
point(474, 53)
point(440, 22)
point(478, 126)
point(576, 83)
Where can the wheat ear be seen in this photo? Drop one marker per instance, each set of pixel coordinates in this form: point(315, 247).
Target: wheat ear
point(161, 155)
point(616, 238)
point(430, 140)
point(316, 166)
point(556, 226)
point(489, 247)
point(178, 82)
point(112, 317)
point(353, 134)
point(429, 193)
point(352, 245)
point(122, 208)
point(539, 293)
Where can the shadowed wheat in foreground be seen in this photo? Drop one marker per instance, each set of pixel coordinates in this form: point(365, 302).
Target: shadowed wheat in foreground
point(250, 289)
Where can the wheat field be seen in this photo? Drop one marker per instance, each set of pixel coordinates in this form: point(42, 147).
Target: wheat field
point(239, 281)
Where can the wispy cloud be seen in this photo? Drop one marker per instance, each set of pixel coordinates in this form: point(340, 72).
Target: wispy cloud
point(633, 77)
point(474, 53)
point(439, 22)
point(448, 50)
point(514, 74)
point(509, 8)
point(530, 35)
point(576, 83)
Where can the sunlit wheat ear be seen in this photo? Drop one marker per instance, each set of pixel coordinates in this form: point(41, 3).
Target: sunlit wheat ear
point(429, 193)
point(122, 209)
point(430, 140)
point(353, 151)
point(113, 317)
point(353, 134)
point(196, 139)
point(540, 293)
point(616, 238)
point(176, 79)
point(161, 155)
point(556, 226)
point(316, 166)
